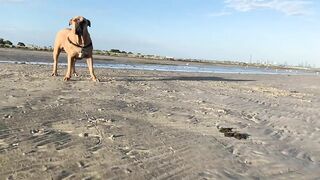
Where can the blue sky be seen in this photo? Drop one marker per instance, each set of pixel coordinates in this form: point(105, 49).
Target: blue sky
point(267, 30)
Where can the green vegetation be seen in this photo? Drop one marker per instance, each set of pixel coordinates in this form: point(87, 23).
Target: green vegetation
point(21, 44)
point(115, 51)
point(6, 43)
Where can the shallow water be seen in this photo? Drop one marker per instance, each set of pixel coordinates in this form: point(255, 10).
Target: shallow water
point(182, 68)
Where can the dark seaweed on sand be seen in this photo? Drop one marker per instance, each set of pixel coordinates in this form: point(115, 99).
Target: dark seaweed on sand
point(228, 132)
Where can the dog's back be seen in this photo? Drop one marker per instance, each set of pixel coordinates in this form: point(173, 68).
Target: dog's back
point(61, 38)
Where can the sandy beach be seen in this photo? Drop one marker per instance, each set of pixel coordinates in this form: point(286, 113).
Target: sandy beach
point(157, 125)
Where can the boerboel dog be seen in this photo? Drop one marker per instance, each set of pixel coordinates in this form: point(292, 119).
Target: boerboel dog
point(76, 42)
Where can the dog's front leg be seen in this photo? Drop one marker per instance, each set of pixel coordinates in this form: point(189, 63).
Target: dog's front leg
point(90, 66)
point(73, 69)
point(68, 74)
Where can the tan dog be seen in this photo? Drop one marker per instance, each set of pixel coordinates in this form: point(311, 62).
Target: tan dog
point(77, 44)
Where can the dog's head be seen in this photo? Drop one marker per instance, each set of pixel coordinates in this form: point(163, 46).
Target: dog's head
point(79, 23)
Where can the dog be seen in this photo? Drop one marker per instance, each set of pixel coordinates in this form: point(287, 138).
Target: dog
point(76, 42)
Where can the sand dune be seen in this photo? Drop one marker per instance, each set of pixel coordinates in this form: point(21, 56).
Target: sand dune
point(157, 125)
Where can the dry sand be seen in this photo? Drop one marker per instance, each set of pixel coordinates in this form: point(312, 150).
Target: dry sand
point(157, 125)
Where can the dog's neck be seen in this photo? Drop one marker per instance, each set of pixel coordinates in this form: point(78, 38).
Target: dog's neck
point(83, 39)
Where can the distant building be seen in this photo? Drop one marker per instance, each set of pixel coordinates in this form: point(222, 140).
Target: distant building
point(169, 58)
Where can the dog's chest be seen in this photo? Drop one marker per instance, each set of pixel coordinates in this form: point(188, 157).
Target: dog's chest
point(82, 53)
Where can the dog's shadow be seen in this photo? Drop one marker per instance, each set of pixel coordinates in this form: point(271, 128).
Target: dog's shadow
point(105, 79)
point(172, 78)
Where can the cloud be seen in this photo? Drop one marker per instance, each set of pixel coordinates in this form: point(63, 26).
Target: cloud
point(288, 7)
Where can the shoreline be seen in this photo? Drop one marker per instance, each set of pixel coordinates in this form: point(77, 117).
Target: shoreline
point(44, 58)
point(177, 68)
point(124, 59)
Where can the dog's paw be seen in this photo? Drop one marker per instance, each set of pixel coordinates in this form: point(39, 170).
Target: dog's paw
point(54, 74)
point(66, 78)
point(94, 79)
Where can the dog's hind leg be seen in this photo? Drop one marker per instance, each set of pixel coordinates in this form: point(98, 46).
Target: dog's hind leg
point(56, 53)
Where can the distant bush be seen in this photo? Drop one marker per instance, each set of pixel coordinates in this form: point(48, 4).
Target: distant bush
point(1, 41)
point(7, 42)
point(21, 44)
point(98, 52)
point(115, 51)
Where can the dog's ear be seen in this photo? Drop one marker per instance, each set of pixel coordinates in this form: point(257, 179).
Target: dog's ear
point(70, 22)
point(89, 22)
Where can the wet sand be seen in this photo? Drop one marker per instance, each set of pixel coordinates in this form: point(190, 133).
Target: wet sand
point(157, 125)
point(22, 55)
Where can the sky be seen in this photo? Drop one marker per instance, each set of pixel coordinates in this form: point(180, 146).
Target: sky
point(277, 31)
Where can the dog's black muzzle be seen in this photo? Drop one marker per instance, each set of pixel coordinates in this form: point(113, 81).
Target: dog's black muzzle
point(79, 29)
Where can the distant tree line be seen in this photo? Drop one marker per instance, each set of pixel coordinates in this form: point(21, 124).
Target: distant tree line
point(111, 52)
point(9, 44)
